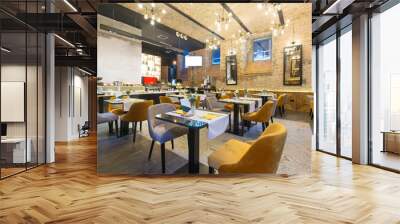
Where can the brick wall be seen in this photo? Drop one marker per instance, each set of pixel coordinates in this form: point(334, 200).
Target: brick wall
point(259, 75)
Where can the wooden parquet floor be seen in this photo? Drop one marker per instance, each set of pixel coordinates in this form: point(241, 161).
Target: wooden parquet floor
point(70, 191)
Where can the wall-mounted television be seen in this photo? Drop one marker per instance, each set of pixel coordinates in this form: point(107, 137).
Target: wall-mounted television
point(193, 61)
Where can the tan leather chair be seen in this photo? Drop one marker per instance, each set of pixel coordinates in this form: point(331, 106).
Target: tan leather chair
point(137, 113)
point(241, 93)
point(110, 105)
point(281, 104)
point(263, 115)
point(228, 106)
point(167, 99)
point(262, 156)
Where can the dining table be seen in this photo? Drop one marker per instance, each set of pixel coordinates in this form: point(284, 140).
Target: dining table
point(264, 96)
point(249, 106)
point(217, 123)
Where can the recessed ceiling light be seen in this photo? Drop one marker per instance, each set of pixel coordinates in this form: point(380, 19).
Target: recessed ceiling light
point(162, 37)
point(5, 50)
point(70, 5)
point(64, 40)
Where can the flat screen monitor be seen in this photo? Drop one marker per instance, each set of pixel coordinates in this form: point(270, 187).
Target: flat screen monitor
point(3, 129)
point(193, 61)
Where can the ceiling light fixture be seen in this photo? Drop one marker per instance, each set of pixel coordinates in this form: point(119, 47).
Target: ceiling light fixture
point(5, 50)
point(70, 5)
point(278, 23)
point(152, 12)
point(223, 20)
point(243, 36)
point(213, 43)
point(84, 71)
point(64, 40)
point(181, 35)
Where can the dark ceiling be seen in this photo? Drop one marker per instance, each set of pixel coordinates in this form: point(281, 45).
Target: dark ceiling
point(79, 27)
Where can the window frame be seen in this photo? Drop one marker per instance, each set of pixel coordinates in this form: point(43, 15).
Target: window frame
point(212, 56)
point(270, 48)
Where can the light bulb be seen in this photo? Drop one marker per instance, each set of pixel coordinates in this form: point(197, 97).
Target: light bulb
point(152, 22)
point(158, 19)
point(140, 5)
point(146, 16)
point(153, 17)
point(153, 5)
point(163, 11)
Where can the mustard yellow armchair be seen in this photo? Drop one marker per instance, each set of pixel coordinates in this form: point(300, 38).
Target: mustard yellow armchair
point(228, 106)
point(261, 156)
point(110, 105)
point(263, 115)
point(137, 113)
point(281, 104)
point(167, 99)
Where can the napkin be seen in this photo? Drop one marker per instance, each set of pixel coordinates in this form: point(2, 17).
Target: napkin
point(210, 116)
point(181, 112)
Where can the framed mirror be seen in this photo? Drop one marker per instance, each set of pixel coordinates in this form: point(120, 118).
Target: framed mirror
point(231, 70)
point(292, 62)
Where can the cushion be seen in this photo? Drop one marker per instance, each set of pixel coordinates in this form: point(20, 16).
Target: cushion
point(164, 132)
point(229, 153)
point(106, 117)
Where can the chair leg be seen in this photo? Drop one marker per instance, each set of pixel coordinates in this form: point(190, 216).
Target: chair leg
point(140, 126)
point(230, 121)
point(281, 111)
point(172, 143)
point(116, 128)
point(163, 157)
point(263, 126)
point(110, 128)
point(266, 124)
point(211, 170)
point(134, 131)
point(151, 150)
point(272, 119)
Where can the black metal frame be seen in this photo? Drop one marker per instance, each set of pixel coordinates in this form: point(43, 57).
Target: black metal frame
point(338, 153)
point(44, 80)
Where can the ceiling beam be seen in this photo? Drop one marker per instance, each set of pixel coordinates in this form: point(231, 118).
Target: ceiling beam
point(235, 17)
point(193, 20)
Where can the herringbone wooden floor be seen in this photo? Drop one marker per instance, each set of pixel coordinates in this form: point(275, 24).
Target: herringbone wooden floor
point(71, 192)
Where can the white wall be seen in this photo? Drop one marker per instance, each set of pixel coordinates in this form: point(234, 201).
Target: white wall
point(118, 59)
point(71, 102)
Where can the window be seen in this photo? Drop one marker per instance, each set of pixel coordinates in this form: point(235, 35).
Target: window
point(216, 56)
point(385, 89)
point(327, 96)
point(262, 49)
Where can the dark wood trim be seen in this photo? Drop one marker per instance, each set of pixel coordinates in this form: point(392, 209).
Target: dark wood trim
point(193, 20)
point(235, 17)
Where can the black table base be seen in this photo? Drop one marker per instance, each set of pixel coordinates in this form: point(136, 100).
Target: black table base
point(193, 137)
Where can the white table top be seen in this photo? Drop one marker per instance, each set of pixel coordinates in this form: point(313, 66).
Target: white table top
point(216, 126)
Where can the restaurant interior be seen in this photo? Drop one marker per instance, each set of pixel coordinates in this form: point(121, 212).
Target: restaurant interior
point(204, 88)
